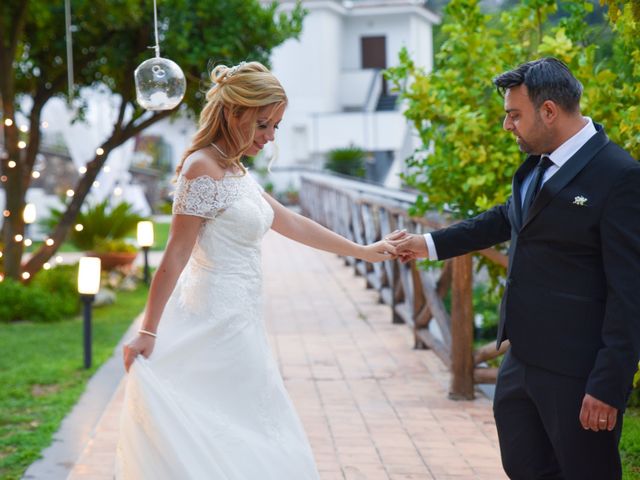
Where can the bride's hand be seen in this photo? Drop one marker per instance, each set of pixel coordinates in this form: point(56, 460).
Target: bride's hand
point(141, 345)
point(382, 250)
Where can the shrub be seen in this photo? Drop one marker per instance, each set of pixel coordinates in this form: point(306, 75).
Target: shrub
point(348, 161)
point(50, 297)
point(100, 221)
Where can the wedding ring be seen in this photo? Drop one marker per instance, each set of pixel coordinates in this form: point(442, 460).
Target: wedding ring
point(603, 420)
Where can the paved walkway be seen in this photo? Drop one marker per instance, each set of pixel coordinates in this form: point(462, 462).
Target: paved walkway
point(373, 407)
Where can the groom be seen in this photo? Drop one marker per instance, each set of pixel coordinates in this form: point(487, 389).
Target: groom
point(571, 306)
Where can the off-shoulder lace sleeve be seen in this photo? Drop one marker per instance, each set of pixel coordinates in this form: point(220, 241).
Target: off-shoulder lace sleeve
point(204, 196)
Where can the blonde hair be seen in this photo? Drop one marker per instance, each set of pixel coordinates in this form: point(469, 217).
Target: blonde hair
point(244, 88)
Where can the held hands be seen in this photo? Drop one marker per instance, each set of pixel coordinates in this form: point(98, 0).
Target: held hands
point(382, 250)
point(409, 247)
point(596, 415)
point(142, 344)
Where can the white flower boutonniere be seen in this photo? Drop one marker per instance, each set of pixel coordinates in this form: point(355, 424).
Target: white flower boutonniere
point(580, 201)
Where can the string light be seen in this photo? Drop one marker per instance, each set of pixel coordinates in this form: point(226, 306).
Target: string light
point(45, 124)
point(106, 169)
point(18, 238)
point(99, 151)
point(3, 178)
point(117, 191)
point(26, 275)
point(58, 259)
point(70, 193)
point(27, 242)
point(49, 242)
point(46, 266)
point(1, 277)
point(23, 128)
point(6, 213)
point(96, 184)
point(22, 144)
point(35, 174)
point(8, 122)
point(11, 164)
point(0, 254)
point(79, 227)
point(82, 170)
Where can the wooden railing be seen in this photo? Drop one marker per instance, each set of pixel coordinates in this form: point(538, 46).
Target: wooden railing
point(365, 213)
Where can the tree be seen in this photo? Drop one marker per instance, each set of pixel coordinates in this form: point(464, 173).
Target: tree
point(111, 38)
point(467, 159)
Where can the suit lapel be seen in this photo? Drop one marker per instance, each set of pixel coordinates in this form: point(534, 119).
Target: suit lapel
point(567, 172)
point(516, 187)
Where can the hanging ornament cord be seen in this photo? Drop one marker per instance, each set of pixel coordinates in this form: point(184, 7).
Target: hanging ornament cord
point(155, 26)
point(67, 21)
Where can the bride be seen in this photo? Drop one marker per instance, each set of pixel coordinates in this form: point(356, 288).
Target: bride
point(204, 397)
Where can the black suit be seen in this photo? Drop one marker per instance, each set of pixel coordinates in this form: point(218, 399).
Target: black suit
point(571, 306)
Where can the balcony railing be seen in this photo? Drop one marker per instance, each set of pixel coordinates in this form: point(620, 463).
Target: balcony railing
point(366, 213)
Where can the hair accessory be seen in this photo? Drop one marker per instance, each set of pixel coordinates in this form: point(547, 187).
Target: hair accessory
point(233, 70)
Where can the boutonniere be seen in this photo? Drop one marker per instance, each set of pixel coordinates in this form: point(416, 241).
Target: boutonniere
point(580, 201)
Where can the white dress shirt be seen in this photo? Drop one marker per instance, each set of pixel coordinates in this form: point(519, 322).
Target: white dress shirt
point(559, 157)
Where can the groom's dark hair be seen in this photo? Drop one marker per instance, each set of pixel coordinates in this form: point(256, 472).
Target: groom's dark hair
point(546, 79)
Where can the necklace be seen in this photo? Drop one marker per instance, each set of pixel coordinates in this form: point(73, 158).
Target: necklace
point(219, 150)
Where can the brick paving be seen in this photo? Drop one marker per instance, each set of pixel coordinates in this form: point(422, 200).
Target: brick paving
point(373, 407)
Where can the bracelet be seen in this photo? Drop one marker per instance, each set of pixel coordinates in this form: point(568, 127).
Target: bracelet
point(147, 332)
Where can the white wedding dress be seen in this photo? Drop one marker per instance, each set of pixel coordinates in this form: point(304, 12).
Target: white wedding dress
point(209, 403)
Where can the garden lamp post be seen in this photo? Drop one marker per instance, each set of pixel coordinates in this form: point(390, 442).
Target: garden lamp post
point(88, 286)
point(145, 240)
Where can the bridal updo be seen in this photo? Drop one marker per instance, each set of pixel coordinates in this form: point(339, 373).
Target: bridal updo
point(244, 88)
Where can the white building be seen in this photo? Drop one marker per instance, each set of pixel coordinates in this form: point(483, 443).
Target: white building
point(332, 75)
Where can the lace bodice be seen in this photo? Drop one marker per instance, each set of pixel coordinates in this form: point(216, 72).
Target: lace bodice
point(235, 219)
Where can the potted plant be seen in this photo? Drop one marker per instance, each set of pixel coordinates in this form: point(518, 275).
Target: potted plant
point(114, 253)
point(347, 161)
point(101, 232)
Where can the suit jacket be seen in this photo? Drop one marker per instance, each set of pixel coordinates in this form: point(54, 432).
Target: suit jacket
point(572, 297)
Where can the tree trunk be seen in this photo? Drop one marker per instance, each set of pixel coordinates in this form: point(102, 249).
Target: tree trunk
point(14, 196)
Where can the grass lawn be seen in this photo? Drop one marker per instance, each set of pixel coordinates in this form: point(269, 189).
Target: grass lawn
point(161, 234)
point(42, 376)
point(630, 445)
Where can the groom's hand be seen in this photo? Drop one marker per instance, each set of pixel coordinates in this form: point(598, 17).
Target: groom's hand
point(410, 247)
point(596, 415)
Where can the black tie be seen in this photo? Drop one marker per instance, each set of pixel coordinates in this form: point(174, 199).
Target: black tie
point(536, 181)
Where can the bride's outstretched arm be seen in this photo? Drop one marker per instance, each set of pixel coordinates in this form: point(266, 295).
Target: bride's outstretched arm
point(306, 231)
point(182, 237)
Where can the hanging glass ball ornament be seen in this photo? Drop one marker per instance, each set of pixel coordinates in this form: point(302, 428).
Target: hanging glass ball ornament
point(160, 84)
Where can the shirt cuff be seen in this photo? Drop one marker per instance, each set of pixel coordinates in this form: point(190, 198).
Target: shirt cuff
point(431, 247)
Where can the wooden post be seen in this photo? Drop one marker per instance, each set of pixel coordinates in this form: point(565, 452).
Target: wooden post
point(462, 386)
